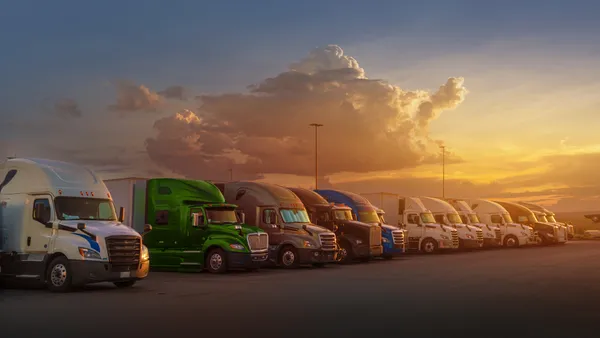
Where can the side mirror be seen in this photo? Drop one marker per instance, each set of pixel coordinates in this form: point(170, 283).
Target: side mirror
point(242, 218)
point(147, 228)
point(121, 215)
point(196, 220)
point(81, 226)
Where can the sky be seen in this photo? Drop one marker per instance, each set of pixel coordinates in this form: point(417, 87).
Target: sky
point(196, 88)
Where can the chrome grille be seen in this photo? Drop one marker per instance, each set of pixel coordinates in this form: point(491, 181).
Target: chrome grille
point(498, 234)
point(479, 235)
point(455, 238)
point(375, 236)
point(124, 252)
point(532, 233)
point(258, 241)
point(398, 236)
point(328, 241)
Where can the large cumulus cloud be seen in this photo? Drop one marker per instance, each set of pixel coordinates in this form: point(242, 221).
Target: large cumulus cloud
point(369, 124)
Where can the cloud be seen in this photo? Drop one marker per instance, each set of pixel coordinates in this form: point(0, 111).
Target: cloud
point(174, 92)
point(132, 97)
point(369, 124)
point(67, 108)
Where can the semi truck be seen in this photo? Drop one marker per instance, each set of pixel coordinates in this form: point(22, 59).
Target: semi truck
point(593, 217)
point(58, 226)
point(293, 239)
point(493, 214)
point(545, 233)
point(469, 237)
point(357, 239)
point(561, 235)
point(569, 229)
point(194, 229)
point(491, 234)
point(409, 213)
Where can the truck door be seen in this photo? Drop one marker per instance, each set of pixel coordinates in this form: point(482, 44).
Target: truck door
point(498, 221)
point(193, 243)
point(39, 233)
point(415, 231)
point(268, 222)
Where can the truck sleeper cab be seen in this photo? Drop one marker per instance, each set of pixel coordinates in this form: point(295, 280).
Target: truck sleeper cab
point(493, 214)
point(566, 231)
point(379, 237)
point(545, 233)
point(293, 239)
point(470, 237)
point(59, 226)
point(492, 236)
point(352, 236)
point(194, 229)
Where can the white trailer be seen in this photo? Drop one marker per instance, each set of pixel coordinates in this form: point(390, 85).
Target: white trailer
point(59, 226)
point(493, 214)
point(491, 234)
point(424, 234)
point(130, 194)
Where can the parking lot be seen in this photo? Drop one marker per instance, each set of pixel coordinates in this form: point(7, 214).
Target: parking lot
point(538, 291)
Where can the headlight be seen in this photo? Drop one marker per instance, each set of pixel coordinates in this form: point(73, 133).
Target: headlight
point(469, 236)
point(385, 240)
point(358, 241)
point(145, 253)
point(444, 237)
point(308, 244)
point(236, 246)
point(550, 235)
point(89, 253)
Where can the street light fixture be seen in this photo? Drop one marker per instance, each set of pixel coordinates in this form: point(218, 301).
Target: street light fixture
point(316, 125)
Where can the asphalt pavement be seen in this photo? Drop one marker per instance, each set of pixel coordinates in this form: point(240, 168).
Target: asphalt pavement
point(526, 292)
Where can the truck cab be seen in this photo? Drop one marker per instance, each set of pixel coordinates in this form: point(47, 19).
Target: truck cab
point(194, 229)
point(568, 231)
point(545, 233)
point(469, 237)
point(353, 236)
point(491, 234)
point(561, 234)
point(493, 214)
point(59, 226)
point(293, 239)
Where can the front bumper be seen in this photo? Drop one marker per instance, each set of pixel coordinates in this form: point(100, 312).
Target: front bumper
point(376, 250)
point(87, 272)
point(391, 249)
point(470, 243)
point(311, 256)
point(491, 242)
point(447, 244)
point(246, 260)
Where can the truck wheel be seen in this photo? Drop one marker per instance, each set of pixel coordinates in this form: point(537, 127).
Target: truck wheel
point(345, 253)
point(288, 257)
point(58, 275)
point(511, 241)
point(216, 262)
point(125, 284)
point(429, 246)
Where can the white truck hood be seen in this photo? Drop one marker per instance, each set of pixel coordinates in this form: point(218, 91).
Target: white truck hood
point(103, 228)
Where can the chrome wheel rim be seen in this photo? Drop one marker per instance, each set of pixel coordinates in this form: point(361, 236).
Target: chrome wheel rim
point(429, 247)
point(216, 261)
point(288, 258)
point(58, 276)
point(342, 254)
point(511, 242)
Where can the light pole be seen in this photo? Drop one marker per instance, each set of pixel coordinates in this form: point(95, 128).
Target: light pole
point(443, 171)
point(316, 125)
point(231, 174)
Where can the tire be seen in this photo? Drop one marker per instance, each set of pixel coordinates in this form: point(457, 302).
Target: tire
point(318, 265)
point(59, 275)
point(511, 241)
point(125, 284)
point(216, 261)
point(345, 254)
point(288, 257)
point(429, 246)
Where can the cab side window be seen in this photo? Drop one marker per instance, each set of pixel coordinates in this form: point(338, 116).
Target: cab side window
point(162, 217)
point(413, 218)
point(522, 219)
point(439, 219)
point(496, 219)
point(269, 216)
point(42, 211)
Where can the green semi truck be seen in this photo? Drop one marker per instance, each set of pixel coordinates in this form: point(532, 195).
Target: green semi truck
point(193, 228)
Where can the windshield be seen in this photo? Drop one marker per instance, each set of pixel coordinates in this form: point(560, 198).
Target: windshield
point(220, 215)
point(381, 218)
point(454, 218)
point(83, 208)
point(542, 218)
point(474, 218)
point(427, 218)
point(343, 214)
point(507, 218)
point(294, 216)
point(368, 216)
point(532, 218)
point(551, 218)
point(463, 218)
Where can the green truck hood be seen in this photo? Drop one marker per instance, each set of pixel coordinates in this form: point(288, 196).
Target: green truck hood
point(246, 229)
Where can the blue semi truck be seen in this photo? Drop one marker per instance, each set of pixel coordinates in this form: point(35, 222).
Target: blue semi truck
point(392, 237)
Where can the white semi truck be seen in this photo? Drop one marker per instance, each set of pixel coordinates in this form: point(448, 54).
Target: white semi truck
point(491, 234)
point(58, 225)
point(424, 234)
point(493, 214)
point(566, 231)
point(470, 237)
